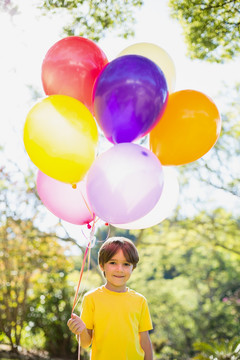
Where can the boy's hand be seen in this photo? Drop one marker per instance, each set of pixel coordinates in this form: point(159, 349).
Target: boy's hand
point(76, 325)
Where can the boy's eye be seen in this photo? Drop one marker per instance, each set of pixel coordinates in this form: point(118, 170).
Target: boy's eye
point(127, 264)
point(111, 262)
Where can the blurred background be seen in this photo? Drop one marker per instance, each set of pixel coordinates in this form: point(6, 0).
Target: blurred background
point(189, 269)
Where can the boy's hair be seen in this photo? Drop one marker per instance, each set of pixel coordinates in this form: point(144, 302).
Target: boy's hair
point(112, 245)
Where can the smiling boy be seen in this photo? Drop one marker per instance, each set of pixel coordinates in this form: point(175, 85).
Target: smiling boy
point(114, 318)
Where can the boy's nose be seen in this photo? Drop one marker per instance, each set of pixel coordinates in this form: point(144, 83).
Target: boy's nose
point(119, 268)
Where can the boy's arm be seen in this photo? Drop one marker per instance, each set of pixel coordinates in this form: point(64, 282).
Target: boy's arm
point(146, 345)
point(86, 338)
point(77, 326)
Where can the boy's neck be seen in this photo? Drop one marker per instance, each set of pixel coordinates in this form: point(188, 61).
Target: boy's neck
point(119, 289)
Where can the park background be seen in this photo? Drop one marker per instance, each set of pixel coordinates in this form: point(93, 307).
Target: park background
point(189, 269)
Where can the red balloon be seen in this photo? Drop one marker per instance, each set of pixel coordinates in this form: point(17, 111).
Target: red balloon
point(71, 67)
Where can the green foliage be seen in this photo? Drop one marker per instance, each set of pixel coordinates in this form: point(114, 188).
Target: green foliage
point(224, 350)
point(32, 340)
point(50, 308)
point(191, 282)
point(211, 27)
point(91, 18)
point(26, 253)
point(189, 271)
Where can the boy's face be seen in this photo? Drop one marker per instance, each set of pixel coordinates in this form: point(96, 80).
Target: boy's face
point(117, 272)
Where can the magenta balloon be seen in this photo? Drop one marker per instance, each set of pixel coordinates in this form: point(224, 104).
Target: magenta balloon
point(63, 200)
point(129, 98)
point(124, 183)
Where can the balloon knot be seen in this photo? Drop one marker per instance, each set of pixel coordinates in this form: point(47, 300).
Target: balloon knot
point(106, 224)
point(74, 186)
point(88, 226)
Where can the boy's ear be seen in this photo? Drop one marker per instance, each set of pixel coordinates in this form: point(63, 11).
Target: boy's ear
point(101, 267)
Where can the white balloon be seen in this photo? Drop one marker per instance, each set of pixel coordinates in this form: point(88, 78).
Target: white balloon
point(165, 206)
point(159, 56)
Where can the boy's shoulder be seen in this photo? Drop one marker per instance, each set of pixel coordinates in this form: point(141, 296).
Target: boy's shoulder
point(94, 291)
point(136, 294)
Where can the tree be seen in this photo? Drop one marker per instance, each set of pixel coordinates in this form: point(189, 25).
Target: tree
point(36, 283)
point(25, 251)
point(189, 272)
point(50, 307)
point(211, 27)
point(91, 18)
point(224, 350)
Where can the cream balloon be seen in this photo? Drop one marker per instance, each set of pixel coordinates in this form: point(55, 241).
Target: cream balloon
point(165, 206)
point(157, 55)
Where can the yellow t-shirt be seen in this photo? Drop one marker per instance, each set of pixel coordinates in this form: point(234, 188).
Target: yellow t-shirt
point(116, 320)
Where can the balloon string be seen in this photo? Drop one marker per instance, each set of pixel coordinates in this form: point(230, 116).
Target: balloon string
point(83, 264)
point(79, 347)
point(87, 251)
point(81, 272)
point(80, 278)
point(86, 277)
point(96, 220)
point(91, 213)
point(89, 258)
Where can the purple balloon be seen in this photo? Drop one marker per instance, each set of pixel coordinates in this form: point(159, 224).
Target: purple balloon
point(124, 183)
point(130, 96)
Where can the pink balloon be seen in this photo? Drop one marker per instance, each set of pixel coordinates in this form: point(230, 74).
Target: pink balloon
point(63, 200)
point(124, 183)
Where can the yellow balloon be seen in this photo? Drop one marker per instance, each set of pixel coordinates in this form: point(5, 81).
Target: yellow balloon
point(60, 137)
point(157, 55)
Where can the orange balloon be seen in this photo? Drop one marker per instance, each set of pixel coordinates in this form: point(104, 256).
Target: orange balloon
point(188, 129)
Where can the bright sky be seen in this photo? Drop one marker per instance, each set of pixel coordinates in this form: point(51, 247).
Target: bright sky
point(26, 38)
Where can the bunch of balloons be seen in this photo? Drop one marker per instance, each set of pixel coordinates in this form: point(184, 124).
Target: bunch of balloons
point(126, 99)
